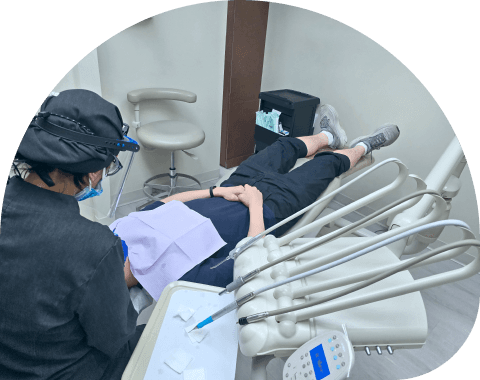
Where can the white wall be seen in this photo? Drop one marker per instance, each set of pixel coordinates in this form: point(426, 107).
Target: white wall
point(185, 49)
point(85, 75)
point(311, 53)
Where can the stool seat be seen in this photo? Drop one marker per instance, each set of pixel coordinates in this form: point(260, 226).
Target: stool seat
point(170, 135)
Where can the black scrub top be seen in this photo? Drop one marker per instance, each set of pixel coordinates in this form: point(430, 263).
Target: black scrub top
point(65, 310)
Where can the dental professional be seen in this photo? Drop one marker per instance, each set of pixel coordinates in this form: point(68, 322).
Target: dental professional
point(65, 309)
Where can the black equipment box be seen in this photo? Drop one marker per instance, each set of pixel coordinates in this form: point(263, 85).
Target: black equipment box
point(298, 115)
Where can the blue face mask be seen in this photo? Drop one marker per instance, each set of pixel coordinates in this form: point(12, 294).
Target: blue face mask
point(88, 192)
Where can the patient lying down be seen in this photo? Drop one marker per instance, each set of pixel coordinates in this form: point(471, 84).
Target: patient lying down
point(170, 241)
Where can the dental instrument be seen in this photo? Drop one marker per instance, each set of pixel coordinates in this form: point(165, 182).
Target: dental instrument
point(400, 235)
point(225, 310)
point(405, 265)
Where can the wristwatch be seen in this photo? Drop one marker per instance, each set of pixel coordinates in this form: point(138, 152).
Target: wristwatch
point(211, 191)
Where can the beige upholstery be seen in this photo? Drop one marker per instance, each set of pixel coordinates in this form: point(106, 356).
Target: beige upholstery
point(136, 96)
point(170, 135)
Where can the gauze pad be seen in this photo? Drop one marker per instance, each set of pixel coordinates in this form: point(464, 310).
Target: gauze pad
point(194, 374)
point(185, 312)
point(197, 335)
point(179, 360)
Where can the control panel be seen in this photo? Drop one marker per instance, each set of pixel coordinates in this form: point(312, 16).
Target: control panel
point(328, 356)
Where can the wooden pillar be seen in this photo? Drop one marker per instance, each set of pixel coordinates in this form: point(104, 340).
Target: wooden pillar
point(244, 51)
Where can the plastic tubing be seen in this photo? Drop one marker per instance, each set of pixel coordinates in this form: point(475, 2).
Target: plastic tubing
point(297, 251)
point(364, 251)
point(379, 277)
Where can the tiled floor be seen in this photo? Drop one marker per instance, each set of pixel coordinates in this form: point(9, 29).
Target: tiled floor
point(451, 311)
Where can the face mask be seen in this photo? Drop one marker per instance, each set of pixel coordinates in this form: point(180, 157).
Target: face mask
point(88, 192)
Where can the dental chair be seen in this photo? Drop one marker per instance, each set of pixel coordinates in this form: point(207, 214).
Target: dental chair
point(170, 135)
point(384, 316)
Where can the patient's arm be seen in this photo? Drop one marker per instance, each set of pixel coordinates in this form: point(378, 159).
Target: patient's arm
point(129, 279)
point(253, 199)
point(256, 220)
point(229, 193)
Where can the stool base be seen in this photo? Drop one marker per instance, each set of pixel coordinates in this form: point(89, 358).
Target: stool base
point(157, 192)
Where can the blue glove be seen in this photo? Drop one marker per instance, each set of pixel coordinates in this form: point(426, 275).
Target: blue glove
point(125, 250)
point(124, 246)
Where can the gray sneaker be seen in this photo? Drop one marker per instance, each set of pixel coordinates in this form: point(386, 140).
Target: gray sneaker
point(328, 121)
point(383, 136)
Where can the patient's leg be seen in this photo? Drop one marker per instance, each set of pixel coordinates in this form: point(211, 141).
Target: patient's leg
point(282, 155)
point(279, 157)
point(353, 154)
point(313, 177)
point(314, 143)
point(302, 186)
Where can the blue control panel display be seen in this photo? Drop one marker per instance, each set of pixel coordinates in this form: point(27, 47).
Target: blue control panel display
point(319, 362)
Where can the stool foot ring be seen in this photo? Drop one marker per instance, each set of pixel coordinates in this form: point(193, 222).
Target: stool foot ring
point(167, 190)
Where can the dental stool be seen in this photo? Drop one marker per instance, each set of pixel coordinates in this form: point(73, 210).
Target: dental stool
point(171, 135)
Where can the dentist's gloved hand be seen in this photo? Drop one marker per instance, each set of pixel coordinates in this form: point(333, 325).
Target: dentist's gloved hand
point(229, 193)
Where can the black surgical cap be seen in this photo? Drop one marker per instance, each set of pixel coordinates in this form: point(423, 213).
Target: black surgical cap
point(97, 117)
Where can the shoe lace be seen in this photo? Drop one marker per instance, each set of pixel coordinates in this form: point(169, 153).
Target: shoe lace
point(377, 141)
point(324, 123)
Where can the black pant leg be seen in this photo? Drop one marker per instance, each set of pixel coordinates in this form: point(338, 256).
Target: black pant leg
point(281, 156)
point(302, 186)
point(278, 158)
point(314, 174)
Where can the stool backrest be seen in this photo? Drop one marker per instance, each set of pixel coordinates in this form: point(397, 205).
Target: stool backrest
point(136, 96)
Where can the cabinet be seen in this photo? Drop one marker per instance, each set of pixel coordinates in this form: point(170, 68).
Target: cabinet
point(298, 114)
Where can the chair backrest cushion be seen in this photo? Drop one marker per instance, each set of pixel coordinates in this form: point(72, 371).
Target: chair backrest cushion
point(136, 96)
